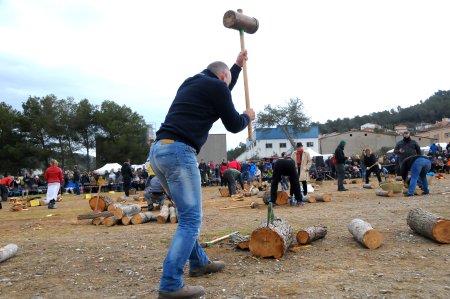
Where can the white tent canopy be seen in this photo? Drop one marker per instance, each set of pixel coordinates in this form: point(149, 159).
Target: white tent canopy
point(313, 153)
point(108, 167)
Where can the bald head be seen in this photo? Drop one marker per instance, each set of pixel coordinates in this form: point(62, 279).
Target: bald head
point(221, 70)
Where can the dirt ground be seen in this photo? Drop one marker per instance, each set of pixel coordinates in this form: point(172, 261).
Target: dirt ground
point(62, 257)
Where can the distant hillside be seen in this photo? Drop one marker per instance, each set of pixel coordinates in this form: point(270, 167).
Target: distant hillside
point(431, 110)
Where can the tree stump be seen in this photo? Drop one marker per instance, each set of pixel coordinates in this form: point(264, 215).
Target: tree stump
point(272, 240)
point(381, 192)
point(173, 215)
point(323, 197)
point(111, 221)
point(282, 198)
point(143, 217)
point(7, 252)
point(429, 225)
point(364, 233)
point(163, 214)
point(128, 210)
point(311, 234)
point(102, 205)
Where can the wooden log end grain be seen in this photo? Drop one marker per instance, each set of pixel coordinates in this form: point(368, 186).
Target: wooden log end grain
point(111, 221)
point(302, 237)
point(271, 241)
point(311, 234)
point(102, 203)
point(282, 198)
point(364, 233)
point(429, 225)
point(373, 239)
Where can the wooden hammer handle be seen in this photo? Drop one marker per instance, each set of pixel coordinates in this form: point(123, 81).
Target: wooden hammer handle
point(244, 69)
point(236, 207)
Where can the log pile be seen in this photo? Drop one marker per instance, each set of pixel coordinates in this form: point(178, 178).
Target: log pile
point(429, 225)
point(364, 233)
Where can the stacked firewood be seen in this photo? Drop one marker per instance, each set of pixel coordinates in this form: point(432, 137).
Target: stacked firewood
point(108, 213)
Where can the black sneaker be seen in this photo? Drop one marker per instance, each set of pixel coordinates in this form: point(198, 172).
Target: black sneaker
point(343, 189)
point(52, 204)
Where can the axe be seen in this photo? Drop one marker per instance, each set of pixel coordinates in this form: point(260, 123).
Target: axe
point(253, 205)
point(239, 21)
point(211, 243)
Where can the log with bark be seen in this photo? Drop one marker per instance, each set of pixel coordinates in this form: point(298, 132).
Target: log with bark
point(111, 221)
point(99, 203)
point(429, 225)
point(364, 233)
point(282, 198)
point(143, 217)
point(241, 242)
point(94, 215)
point(224, 192)
point(163, 214)
point(128, 210)
point(381, 192)
point(113, 207)
point(173, 215)
point(315, 197)
point(98, 220)
point(311, 234)
point(370, 186)
point(7, 252)
point(126, 219)
point(271, 241)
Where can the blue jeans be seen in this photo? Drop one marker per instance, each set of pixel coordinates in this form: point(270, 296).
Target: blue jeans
point(77, 187)
point(175, 165)
point(418, 172)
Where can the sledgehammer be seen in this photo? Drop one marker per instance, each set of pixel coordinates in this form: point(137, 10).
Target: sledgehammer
point(211, 243)
point(239, 21)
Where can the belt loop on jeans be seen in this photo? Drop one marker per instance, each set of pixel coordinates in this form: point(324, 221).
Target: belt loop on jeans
point(167, 141)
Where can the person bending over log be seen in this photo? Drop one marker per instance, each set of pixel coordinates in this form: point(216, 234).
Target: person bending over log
point(230, 176)
point(418, 166)
point(285, 166)
point(371, 163)
point(155, 194)
point(200, 101)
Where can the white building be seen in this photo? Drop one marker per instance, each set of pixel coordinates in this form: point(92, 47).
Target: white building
point(273, 141)
point(370, 126)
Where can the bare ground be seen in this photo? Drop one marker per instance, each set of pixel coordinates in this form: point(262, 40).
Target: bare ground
point(61, 257)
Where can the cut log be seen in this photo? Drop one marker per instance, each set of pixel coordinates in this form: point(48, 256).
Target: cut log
point(271, 241)
point(398, 178)
point(237, 197)
point(323, 197)
point(224, 192)
point(102, 204)
point(98, 220)
point(7, 252)
point(241, 242)
point(173, 215)
point(126, 220)
point(163, 214)
point(128, 210)
point(143, 217)
point(364, 233)
point(311, 234)
point(113, 207)
point(429, 225)
point(370, 186)
point(94, 215)
point(111, 221)
point(282, 198)
point(381, 192)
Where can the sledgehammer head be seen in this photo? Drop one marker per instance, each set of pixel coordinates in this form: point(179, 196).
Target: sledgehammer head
point(239, 21)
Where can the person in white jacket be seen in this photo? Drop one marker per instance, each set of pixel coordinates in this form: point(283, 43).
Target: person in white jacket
point(303, 163)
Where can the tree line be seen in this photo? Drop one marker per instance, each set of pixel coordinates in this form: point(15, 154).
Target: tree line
point(71, 132)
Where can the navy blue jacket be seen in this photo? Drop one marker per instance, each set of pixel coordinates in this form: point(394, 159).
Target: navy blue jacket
point(200, 101)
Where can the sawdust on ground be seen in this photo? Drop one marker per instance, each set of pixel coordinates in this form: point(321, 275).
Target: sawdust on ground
point(62, 257)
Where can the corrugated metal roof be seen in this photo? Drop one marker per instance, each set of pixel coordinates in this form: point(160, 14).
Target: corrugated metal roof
point(277, 133)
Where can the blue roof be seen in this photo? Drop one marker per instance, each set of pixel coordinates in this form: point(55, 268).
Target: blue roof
point(277, 133)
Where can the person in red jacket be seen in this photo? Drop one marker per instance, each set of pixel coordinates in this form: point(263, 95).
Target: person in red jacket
point(5, 183)
point(54, 177)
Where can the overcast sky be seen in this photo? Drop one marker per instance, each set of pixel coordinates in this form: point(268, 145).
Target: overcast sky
point(342, 58)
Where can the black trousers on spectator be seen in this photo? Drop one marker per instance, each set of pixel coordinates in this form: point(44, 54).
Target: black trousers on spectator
point(127, 186)
point(230, 182)
point(286, 168)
